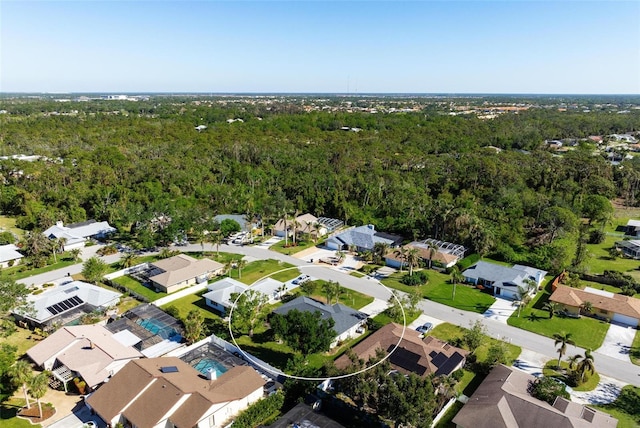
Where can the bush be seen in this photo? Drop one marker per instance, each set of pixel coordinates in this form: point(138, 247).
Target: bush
point(457, 375)
point(629, 400)
point(417, 278)
point(173, 311)
point(468, 261)
point(596, 237)
point(547, 389)
point(260, 411)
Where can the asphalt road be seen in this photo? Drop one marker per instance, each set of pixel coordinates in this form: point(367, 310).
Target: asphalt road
point(615, 368)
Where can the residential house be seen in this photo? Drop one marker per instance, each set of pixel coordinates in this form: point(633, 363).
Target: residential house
point(442, 254)
point(9, 255)
point(409, 352)
point(362, 238)
point(219, 295)
point(181, 271)
point(504, 281)
point(64, 303)
point(502, 401)
point(77, 234)
point(90, 352)
point(167, 392)
point(605, 305)
point(348, 321)
point(305, 224)
point(630, 248)
point(331, 224)
point(306, 416)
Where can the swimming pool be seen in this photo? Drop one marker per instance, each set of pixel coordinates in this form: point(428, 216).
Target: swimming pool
point(207, 363)
point(157, 327)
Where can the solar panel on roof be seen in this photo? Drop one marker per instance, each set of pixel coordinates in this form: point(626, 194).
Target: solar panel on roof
point(169, 369)
point(65, 305)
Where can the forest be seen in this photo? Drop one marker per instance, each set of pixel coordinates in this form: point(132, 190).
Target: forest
point(491, 185)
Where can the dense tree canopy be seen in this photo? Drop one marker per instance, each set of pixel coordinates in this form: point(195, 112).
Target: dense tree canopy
point(304, 331)
point(423, 173)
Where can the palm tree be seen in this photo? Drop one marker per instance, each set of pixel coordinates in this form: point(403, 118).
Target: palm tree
point(401, 253)
point(128, 260)
point(75, 253)
point(240, 264)
point(164, 253)
point(456, 278)
point(587, 307)
point(380, 249)
point(227, 267)
point(216, 239)
point(413, 258)
point(38, 386)
point(295, 224)
point(562, 339)
point(331, 289)
point(573, 361)
point(341, 255)
point(433, 249)
point(586, 364)
point(552, 307)
point(21, 373)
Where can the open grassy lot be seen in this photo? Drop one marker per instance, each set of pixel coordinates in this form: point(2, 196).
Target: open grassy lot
point(600, 260)
point(22, 339)
point(440, 290)
point(586, 332)
point(625, 408)
point(136, 287)
point(9, 223)
point(261, 268)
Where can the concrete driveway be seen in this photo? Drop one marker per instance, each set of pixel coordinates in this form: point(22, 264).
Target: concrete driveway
point(606, 392)
point(501, 310)
point(617, 343)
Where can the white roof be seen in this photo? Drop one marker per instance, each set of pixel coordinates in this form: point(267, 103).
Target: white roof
point(268, 286)
point(161, 348)
point(79, 233)
point(87, 293)
point(126, 338)
point(634, 223)
point(9, 252)
point(220, 291)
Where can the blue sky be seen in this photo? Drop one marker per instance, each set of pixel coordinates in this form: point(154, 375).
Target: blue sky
point(320, 46)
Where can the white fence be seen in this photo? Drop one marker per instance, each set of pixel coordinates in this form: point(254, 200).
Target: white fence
point(182, 293)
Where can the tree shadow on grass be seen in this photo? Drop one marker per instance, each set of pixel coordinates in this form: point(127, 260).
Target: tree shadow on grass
point(271, 356)
point(534, 317)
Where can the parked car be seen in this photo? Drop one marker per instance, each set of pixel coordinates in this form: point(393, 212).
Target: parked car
point(425, 328)
point(301, 279)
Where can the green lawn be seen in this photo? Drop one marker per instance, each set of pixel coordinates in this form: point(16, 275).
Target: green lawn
point(627, 416)
point(383, 319)
point(446, 421)
point(600, 260)
point(136, 287)
point(23, 339)
point(300, 245)
point(347, 297)
point(440, 290)
point(16, 274)
point(587, 332)
point(551, 370)
point(8, 419)
point(9, 223)
point(261, 268)
point(635, 349)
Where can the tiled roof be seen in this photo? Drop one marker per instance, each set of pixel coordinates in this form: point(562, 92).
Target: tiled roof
point(616, 303)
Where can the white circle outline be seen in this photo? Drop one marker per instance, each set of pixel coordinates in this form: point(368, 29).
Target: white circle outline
point(315, 379)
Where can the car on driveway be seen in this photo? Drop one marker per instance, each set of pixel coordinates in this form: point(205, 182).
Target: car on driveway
point(301, 279)
point(425, 328)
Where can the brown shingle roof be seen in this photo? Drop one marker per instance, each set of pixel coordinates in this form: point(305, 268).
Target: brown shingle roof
point(424, 253)
point(618, 303)
point(150, 393)
point(413, 355)
point(182, 268)
point(502, 401)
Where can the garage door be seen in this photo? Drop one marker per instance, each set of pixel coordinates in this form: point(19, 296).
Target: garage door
point(623, 319)
point(508, 294)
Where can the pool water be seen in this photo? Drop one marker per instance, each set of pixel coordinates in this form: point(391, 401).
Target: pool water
point(156, 327)
point(206, 363)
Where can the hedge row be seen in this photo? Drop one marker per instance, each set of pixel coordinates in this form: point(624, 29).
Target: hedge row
point(260, 411)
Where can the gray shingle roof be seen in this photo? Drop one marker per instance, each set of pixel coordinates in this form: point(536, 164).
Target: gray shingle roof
point(343, 316)
point(503, 275)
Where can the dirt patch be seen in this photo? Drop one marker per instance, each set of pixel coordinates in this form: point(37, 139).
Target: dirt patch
point(33, 414)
